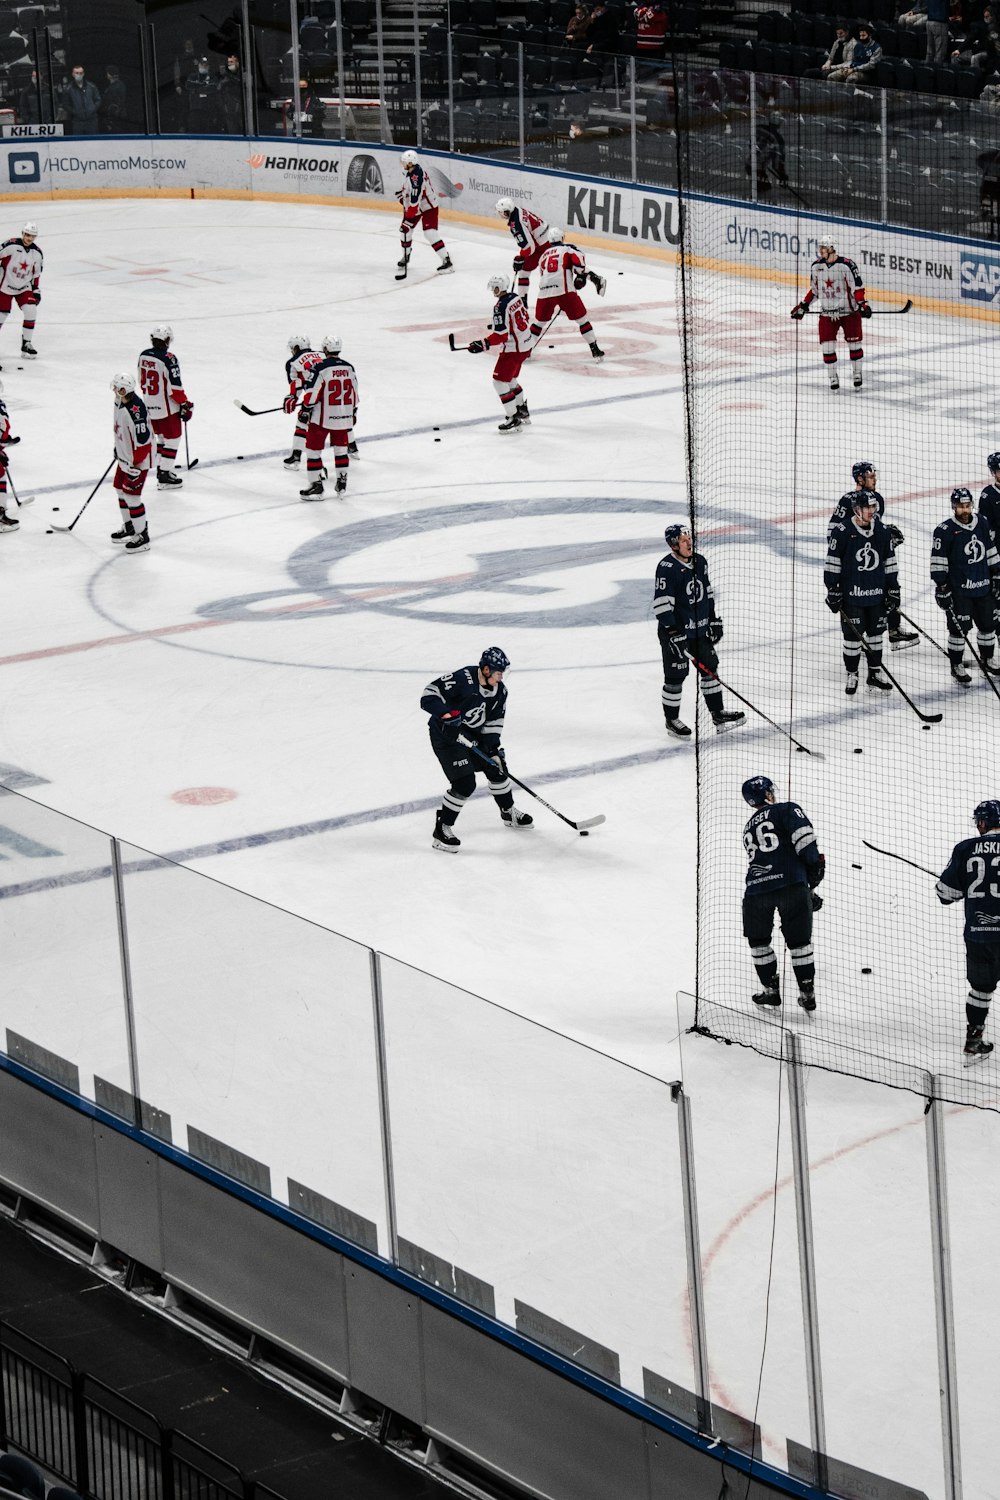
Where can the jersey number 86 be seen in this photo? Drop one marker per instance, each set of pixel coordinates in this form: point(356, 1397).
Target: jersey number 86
point(760, 840)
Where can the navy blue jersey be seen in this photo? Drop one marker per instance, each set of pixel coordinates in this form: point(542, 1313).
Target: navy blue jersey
point(964, 556)
point(989, 506)
point(482, 708)
point(844, 510)
point(860, 563)
point(683, 597)
point(781, 846)
point(974, 873)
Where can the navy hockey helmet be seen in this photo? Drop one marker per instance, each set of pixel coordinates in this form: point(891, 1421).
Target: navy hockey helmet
point(757, 790)
point(960, 496)
point(672, 534)
point(860, 469)
point(862, 499)
point(987, 812)
point(994, 462)
point(495, 659)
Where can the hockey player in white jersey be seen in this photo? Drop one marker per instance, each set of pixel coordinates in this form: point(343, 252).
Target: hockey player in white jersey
point(21, 263)
point(562, 275)
point(134, 452)
point(510, 333)
point(299, 367)
point(166, 402)
point(837, 285)
point(418, 200)
point(329, 407)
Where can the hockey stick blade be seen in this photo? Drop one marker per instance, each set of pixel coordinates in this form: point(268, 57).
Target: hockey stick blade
point(925, 718)
point(581, 826)
point(583, 823)
point(194, 463)
point(451, 343)
point(266, 411)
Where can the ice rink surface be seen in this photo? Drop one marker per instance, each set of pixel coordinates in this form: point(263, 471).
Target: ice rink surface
point(244, 698)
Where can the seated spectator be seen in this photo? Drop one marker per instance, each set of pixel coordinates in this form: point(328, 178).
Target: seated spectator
point(982, 45)
point(112, 107)
point(865, 58)
point(577, 26)
point(602, 33)
point(312, 108)
point(839, 56)
point(651, 29)
point(916, 15)
point(27, 102)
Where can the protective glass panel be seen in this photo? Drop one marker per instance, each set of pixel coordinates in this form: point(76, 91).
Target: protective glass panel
point(537, 1178)
point(254, 1035)
point(62, 987)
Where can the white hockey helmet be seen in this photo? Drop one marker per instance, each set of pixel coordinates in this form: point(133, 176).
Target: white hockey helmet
point(555, 235)
point(331, 344)
point(826, 243)
point(497, 283)
point(162, 333)
point(408, 159)
point(124, 383)
point(298, 341)
point(505, 206)
point(30, 228)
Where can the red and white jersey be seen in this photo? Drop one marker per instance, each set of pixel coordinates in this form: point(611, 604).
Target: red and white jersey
point(160, 383)
point(133, 448)
point(300, 369)
point(838, 288)
point(511, 326)
point(4, 422)
point(557, 269)
point(531, 232)
point(418, 190)
point(330, 401)
point(20, 267)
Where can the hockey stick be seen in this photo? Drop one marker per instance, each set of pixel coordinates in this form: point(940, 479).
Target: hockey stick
point(927, 718)
point(926, 634)
point(187, 451)
point(901, 857)
point(707, 672)
point(978, 659)
point(877, 312)
point(90, 497)
point(251, 413)
point(581, 827)
point(28, 499)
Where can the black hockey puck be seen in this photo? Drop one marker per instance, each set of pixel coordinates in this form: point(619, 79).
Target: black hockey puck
point(239, 455)
point(855, 867)
point(48, 531)
point(866, 971)
point(437, 440)
point(552, 346)
point(858, 750)
point(435, 429)
point(584, 833)
point(925, 726)
point(55, 508)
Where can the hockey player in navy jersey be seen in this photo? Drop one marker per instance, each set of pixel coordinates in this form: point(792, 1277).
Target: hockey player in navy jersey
point(785, 867)
point(989, 506)
point(689, 629)
point(861, 587)
point(965, 571)
point(466, 709)
point(973, 874)
point(866, 478)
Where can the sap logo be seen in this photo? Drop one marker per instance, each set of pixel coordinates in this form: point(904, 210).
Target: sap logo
point(24, 166)
point(979, 278)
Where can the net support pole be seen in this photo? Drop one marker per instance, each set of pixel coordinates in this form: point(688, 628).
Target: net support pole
point(631, 112)
point(341, 80)
point(118, 878)
point(807, 1256)
point(937, 1184)
point(384, 131)
point(884, 156)
point(451, 94)
point(385, 1127)
point(293, 24)
point(417, 80)
point(520, 102)
point(753, 137)
point(248, 61)
point(692, 1237)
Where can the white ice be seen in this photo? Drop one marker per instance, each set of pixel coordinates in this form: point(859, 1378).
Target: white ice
point(273, 652)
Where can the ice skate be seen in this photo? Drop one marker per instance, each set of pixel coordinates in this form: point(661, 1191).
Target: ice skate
point(445, 266)
point(600, 282)
point(769, 995)
point(510, 424)
point(293, 460)
point(975, 1048)
point(960, 675)
point(835, 381)
point(341, 483)
point(514, 818)
point(8, 523)
point(125, 535)
point(352, 449)
point(444, 838)
point(28, 349)
point(596, 352)
point(313, 491)
point(900, 639)
point(807, 996)
point(524, 414)
point(728, 719)
point(857, 380)
point(851, 685)
point(679, 728)
point(166, 479)
point(876, 679)
point(139, 542)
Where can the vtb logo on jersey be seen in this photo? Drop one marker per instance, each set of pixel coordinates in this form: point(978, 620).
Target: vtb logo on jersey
point(867, 558)
point(974, 550)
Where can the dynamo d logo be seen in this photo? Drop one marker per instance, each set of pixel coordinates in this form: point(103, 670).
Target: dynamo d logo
point(24, 166)
point(979, 277)
point(867, 558)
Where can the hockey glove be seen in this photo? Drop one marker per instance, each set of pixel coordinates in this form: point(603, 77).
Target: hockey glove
point(799, 311)
point(994, 578)
point(677, 642)
point(815, 873)
point(186, 411)
point(131, 482)
point(943, 596)
point(518, 262)
point(864, 309)
point(3, 462)
point(290, 403)
point(477, 346)
point(580, 280)
point(893, 599)
point(896, 537)
point(450, 724)
point(817, 900)
point(834, 600)
point(714, 631)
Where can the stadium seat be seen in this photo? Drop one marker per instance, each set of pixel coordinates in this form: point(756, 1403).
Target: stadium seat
point(21, 1477)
